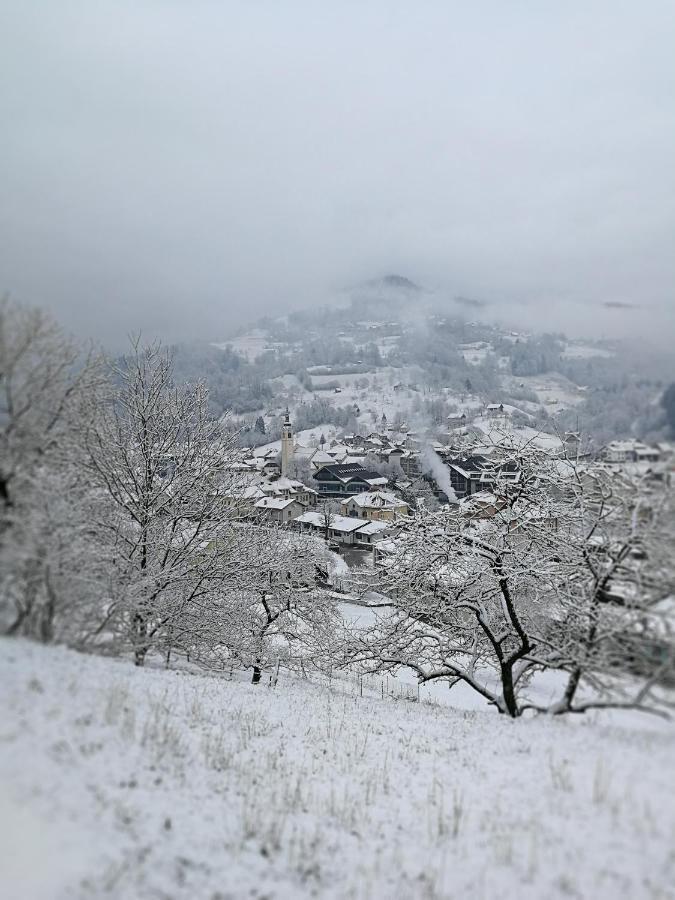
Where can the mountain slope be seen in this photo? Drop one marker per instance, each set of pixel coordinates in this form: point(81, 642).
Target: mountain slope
point(123, 782)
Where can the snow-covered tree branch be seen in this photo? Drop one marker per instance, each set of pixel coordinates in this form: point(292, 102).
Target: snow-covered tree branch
point(562, 567)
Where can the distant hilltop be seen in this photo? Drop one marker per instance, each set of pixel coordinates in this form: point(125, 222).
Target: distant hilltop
point(618, 304)
point(397, 282)
point(471, 302)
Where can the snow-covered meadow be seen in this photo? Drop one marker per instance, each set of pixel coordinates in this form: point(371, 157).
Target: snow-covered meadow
point(123, 782)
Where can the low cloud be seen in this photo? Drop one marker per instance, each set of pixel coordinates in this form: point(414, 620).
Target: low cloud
point(181, 168)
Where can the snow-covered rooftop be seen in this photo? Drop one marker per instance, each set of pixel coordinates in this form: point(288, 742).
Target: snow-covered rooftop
point(274, 502)
point(345, 524)
point(376, 500)
point(320, 457)
point(371, 528)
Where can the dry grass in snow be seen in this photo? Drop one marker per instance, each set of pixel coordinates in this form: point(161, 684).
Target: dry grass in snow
point(119, 782)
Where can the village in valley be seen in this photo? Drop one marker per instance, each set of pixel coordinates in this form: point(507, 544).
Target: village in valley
point(405, 444)
point(346, 498)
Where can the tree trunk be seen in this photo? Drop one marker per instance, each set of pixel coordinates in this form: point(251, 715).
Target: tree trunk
point(508, 691)
point(4, 492)
point(47, 617)
point(167, 660)
point(570, 690)
point(257, 674)
point(141, 644)
point(589, 641)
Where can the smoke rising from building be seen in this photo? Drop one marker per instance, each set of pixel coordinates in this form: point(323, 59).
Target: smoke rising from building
point(433, 465)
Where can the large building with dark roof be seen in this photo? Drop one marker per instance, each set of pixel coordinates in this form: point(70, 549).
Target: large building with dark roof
point(347, 480)
point(478, 473)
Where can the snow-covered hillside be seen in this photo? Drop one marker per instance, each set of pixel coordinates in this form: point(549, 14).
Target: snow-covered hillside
point(126, 783)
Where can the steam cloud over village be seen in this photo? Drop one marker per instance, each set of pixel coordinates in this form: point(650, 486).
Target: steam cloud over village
point(337, 449)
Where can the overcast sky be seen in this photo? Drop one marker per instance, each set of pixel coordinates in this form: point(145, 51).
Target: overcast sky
point(181, 166)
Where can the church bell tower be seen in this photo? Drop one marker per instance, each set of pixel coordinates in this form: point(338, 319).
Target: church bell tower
point(286, 444)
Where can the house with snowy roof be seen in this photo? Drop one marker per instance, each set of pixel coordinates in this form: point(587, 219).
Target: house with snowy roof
point(338, 451)
point(386, 453)
point(320, 458)
point(279, 510)
point(344, 530)
point(290, 487)
point(456, 420)
point(376, 506)
point(631, 451)
point(410, 462)
point(495, 411)
point(481, 505)
point(372, 533)
point(478, 473)
point(374, 440)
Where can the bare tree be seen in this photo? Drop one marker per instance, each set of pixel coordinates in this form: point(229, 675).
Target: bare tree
point(44, 379)
point(328, 509)
point(286, 611)
point(160, 465)
point(301, 470)
point(561, 567)
point(274, 611)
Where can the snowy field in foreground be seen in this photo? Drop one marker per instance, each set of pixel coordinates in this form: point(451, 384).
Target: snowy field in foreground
point(124, 783)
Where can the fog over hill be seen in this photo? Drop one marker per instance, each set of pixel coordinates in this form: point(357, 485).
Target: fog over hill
point(180, 169)
point(608, 319)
